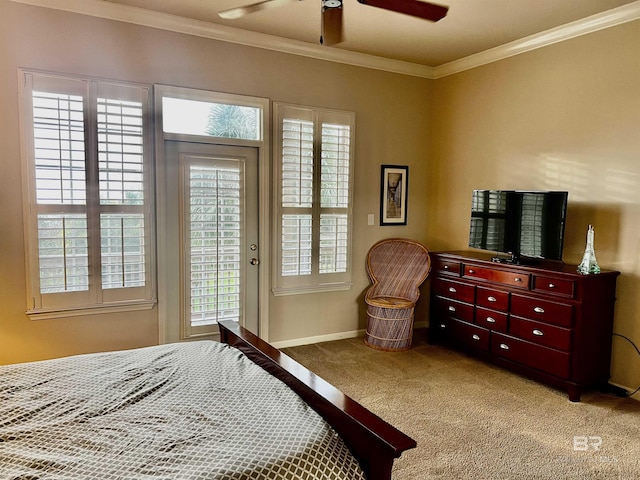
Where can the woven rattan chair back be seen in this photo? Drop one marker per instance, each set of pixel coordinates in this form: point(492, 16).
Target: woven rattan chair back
point(397, 267)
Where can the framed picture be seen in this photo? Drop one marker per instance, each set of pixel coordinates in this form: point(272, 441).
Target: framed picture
point(393, 194)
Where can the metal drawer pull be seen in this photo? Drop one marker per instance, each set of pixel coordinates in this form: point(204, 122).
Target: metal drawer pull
point(504, 346)
point(538, 310)
point(551, 285)
point(475, 337)
point(446, 267)
point(472, 270)
point(538, 332)
point(452, 290)
point(452, 309)
point(492, 299)
point(518, 279)
point(443, 325)
point(491, 320)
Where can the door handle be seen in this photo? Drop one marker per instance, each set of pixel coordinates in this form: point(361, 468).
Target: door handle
point(254, 261)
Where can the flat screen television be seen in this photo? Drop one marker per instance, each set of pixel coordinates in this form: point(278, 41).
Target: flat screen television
point(526, 225)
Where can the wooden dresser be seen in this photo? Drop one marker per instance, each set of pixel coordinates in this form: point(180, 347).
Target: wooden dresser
point(545, 321)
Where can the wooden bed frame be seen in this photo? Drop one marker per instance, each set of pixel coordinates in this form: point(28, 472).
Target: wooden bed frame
point(374, 442)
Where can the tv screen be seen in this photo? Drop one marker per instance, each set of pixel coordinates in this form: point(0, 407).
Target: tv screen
point(527, 225)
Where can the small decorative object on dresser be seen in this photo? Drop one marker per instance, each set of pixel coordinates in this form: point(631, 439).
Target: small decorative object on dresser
point(548, 321)
point(589, 263)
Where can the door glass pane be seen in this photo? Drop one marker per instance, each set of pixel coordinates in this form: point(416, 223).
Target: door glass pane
point(215, 235)
point(192, 117)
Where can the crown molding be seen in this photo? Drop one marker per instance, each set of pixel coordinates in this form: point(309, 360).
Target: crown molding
point(593, 23)
point(173, 23)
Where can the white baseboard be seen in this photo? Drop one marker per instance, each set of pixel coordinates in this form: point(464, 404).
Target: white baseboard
point(295, 342)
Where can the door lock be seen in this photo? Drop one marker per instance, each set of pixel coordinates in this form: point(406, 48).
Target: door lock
point(254, 261)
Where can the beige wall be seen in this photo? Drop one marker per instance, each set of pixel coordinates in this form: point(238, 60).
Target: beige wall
point(564, 117)
point(393, 119)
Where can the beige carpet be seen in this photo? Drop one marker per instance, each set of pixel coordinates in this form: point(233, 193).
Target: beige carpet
point(473, 420)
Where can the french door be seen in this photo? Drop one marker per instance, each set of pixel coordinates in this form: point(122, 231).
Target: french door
point(212, 244)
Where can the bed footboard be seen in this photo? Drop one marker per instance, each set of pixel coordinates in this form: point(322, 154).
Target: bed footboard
point(374, 442)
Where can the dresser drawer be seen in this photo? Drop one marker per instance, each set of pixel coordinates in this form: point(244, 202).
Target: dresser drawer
point(454, 290)
point(447, 267)
point(541, 333)
point(491, 319)
point(493, 299)
point(511, 278)
point(543, 310)
point(533, 355)
point(454, 309)
point(470, 335)
point(555, 286)
point(439, 329)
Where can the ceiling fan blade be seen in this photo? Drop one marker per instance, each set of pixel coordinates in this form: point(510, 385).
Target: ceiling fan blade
point(331, 26)
point(234, 13)
point(415, 8)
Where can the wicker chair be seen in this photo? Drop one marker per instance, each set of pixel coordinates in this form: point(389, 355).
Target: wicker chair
point(396, 267)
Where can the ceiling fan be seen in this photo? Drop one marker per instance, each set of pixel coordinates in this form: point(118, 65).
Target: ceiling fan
point(331, 20)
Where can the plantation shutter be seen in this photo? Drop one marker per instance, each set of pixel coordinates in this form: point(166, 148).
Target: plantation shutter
point(121, 187)
point(213, 203)
point(297, 196)
point(334, 197)
point(315, 177)
point(88, 228)
point(60, 188)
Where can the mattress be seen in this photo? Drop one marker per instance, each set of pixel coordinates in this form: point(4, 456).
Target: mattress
point(198, 410)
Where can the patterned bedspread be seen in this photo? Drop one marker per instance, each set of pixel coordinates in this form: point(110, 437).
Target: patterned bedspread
point(198, 410)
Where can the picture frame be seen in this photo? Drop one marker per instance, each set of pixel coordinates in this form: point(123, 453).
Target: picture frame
point(394, 182)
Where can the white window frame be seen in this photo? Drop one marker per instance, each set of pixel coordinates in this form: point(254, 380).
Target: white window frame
point(95, 299)
point(315, 281)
